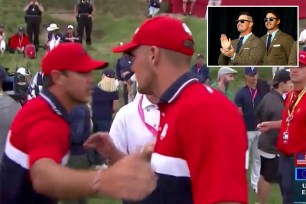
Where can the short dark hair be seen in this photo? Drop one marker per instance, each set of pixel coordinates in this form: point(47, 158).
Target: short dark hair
point(276, 14)
point(246, 13)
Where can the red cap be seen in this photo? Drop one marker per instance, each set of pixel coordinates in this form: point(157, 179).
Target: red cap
point(302, 57)
point(164, 32)
point(72, 57)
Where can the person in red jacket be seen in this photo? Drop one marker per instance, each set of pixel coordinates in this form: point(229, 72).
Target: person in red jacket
point(18, 41)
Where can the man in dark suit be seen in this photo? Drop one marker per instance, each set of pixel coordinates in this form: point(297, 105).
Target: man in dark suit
point(245, 50)
point(278, 44)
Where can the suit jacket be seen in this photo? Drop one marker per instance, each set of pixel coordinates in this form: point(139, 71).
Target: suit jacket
point(280, 48)
point(293, 55)
point(251, 53)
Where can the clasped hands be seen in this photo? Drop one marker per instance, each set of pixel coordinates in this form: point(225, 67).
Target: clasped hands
point(226, 46)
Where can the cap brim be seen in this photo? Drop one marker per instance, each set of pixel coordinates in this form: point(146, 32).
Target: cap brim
point(92, 65)
point(126, 48)
point(252, 73)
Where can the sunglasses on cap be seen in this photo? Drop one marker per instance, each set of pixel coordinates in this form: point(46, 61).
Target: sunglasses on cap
point(242, 20)
point(269, 19)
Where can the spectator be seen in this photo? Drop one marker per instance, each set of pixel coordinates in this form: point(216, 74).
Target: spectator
point(224, 78)
point(80, 126)
point(270, 109)
point(247, 99)
point(18, 41)
point(2, 39)
point(8, 109)
point(124, 73)
point(70, 35)
point(154, 7)
point(302, 39)
point(54, 36)
point(104, 101)
point(192, 3)
point(33, 12)
point(128, 137)
point(84, 11)
point(291, 140)
point(201, 70)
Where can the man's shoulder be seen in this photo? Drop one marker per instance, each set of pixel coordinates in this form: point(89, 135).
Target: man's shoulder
point(284, 35)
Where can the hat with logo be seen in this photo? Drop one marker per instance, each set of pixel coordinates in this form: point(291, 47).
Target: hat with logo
point(226, 70)
point(250, 71)
point(282, 75)
point(164, 32)
point(110, 73)
point(71, 57)
point(302, 58)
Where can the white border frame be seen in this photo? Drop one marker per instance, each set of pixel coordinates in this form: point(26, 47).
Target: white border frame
point(247, 6)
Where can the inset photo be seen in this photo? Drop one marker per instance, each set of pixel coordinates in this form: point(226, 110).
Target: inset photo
point(262, 36)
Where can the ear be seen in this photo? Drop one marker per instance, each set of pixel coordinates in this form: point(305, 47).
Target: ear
point(278, 21)
point(154, 55)
point(57, 77)
point(251, 24)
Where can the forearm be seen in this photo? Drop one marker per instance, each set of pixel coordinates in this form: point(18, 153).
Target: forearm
point(275, 124)
point(26, 8)
point(60, 182)
point(41, 8)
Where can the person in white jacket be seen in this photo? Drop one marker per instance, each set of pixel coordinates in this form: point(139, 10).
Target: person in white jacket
point(2, 39)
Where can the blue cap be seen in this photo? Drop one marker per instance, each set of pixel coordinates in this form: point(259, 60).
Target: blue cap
point(250, 71)
point(109, 73)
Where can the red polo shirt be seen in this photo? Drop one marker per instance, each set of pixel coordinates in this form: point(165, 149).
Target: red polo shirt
point(297, 129)
point(40, 130)
point(202, 135)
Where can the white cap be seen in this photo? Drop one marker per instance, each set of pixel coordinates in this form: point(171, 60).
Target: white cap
point(70, 27)
point(226, 70)
point(23, 71)
point(52, 27)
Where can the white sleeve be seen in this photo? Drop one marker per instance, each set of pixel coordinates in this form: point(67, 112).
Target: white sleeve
point(118, 131)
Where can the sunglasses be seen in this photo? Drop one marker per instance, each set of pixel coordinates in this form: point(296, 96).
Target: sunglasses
point(270, 19)
point(242, 21)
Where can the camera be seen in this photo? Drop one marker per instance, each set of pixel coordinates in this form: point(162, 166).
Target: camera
point(15, 85)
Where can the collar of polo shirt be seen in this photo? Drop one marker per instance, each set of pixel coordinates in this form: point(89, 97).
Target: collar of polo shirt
point(177, 87)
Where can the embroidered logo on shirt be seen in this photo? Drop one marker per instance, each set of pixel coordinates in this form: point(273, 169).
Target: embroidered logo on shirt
point(164, 132)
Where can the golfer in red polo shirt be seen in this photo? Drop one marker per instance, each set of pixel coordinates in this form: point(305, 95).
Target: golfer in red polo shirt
point(291, 139)
point(201, 138)
point(39, 142)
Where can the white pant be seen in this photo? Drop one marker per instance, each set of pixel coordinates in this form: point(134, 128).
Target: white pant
point(153, 11)
point(253, 137)
point(2, 46)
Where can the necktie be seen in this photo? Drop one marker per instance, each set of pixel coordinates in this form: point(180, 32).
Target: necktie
point(269, 41)
point(239, 44)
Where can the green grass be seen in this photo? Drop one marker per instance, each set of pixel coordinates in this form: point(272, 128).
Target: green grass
point(115, 21)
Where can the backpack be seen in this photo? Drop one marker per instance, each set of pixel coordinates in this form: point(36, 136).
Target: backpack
point(30, 51)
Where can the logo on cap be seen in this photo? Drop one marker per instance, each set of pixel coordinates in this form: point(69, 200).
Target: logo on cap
point(301, 55)
point(187, 30)
point(136, 31)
